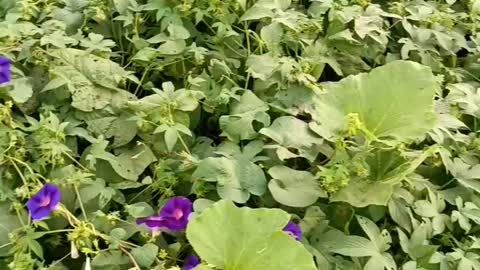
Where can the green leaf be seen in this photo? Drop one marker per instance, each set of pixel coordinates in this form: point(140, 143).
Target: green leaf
point(145, 255)
point(294, 188)
point(280, 131)
point(171, 137)
point(262, 66)
point(381, 239)
point(302, 139)
point(294, 100)
point(121, 128)
point(203, 267)
point(181, 99)
point(92, 81)
point(470, 183)
point(239, 124)
point(400, 212)
point(387, 169)
point(465, 174)
point(394, 101)
point(57, 39)
point(140, 209)
point(35, 247)
point(233, 238)
point(272, 35)
point(361, 193)
point(146, 54)
point(22, 90)
point(121, 6)
point(312, 218)
point(54, 84)
point(172, 47)
point(236, 178)
point(71, 14)
point(255, 13)
point(347, 245)
point(110, 258)
point(8, 223)
point(91, 190)
point(178, 32)
point(119, 233)
point(417, 246)
point(387, 165)
point(130, 164)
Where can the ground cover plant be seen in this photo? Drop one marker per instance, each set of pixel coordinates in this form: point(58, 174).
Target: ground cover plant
point(240, 134)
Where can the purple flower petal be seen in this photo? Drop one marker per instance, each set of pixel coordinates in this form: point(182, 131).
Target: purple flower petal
point(153, 222)
point(5, 73)
point(40, 213)
point(176, 213)
point(293, 230)
point(54, 194)
point(191, 262)
point(44, 202)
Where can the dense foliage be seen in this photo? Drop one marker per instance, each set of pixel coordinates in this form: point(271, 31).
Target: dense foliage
point(355, 119)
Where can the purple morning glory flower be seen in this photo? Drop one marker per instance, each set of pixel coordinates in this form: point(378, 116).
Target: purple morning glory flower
point(173, 216)
point(293, 230)
point(176, 212)
point(5, 74)
point(191, 262)
point(44, 202)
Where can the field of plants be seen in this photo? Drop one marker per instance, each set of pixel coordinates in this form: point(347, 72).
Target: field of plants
point(240, 134)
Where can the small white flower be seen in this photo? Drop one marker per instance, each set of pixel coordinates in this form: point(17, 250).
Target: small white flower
point(73, 251)
point(87, 264)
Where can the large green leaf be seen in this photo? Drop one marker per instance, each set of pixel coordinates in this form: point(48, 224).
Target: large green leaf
point(294, 188)
point(392, 101)
point(93, 81)
point(233, 238)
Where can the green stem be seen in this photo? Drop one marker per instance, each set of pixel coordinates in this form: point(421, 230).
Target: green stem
point(20, 217)
point(448, 183)
point(80, 202)
point(75, 161)
point(26, 166)
point(247, 37)
point(138, 194)
point(6, 245)
point(59, 261)
point(183, 143)
point(142, 79)
point(246, 81)
point(19, 173)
